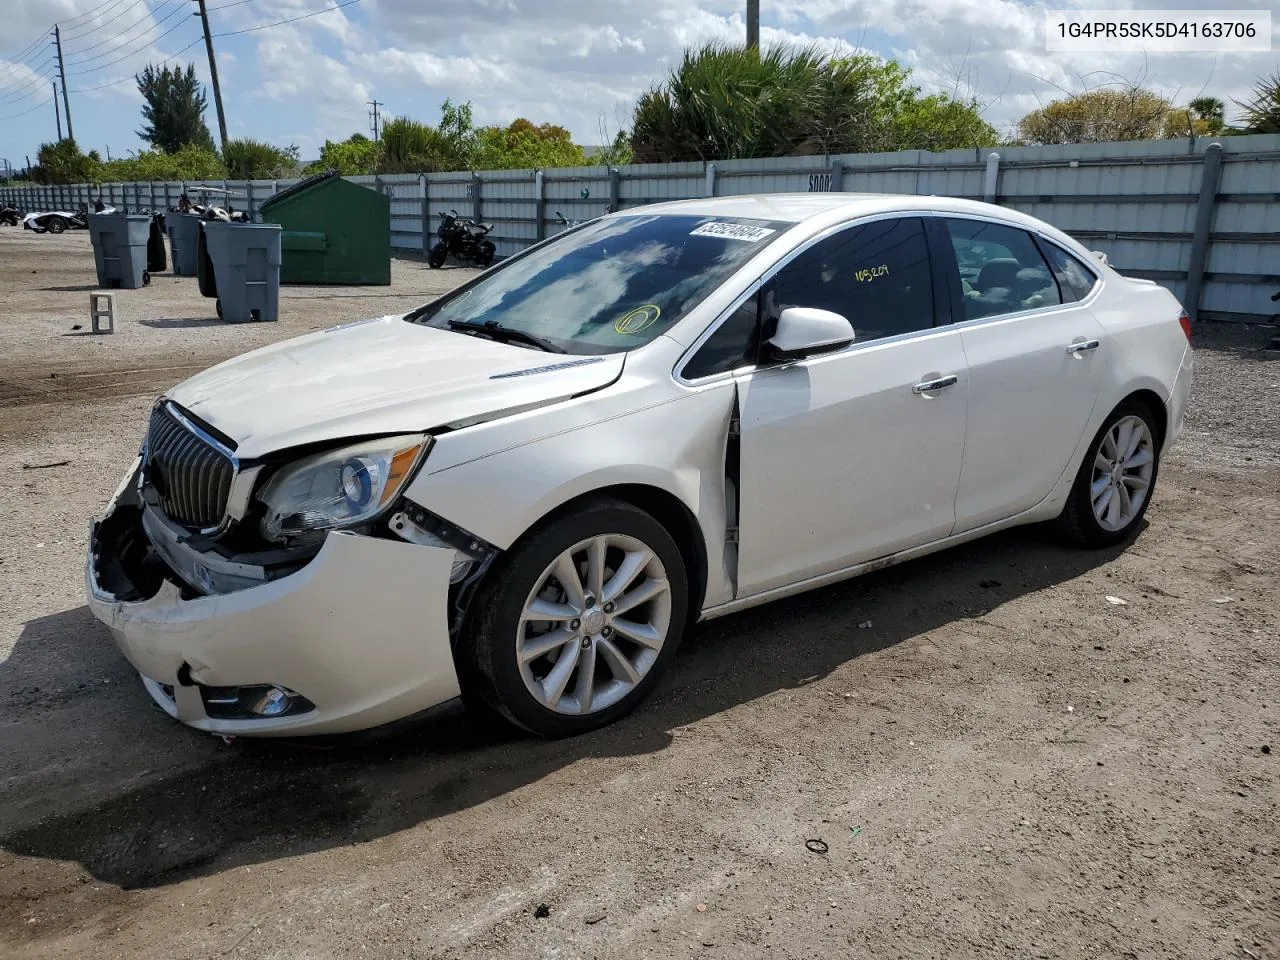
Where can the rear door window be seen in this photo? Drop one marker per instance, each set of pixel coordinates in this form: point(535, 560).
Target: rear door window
point(1001, 269)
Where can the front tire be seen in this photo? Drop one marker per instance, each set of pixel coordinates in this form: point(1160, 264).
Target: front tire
point(1113, 487)
point(437, 256)
point(577, 623)
point(57, 225)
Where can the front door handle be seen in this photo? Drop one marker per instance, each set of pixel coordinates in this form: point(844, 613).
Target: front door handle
point(929, 386)
point(1078, 348)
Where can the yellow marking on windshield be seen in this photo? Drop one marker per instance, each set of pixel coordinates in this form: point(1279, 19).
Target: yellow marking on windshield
point(638, 320)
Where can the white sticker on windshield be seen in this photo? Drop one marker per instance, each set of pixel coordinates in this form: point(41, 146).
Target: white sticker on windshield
point(732, 231)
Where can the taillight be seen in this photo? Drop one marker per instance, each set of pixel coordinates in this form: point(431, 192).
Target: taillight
point(1186, 323)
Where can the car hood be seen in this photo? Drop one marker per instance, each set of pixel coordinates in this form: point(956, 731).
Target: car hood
point(379, 376)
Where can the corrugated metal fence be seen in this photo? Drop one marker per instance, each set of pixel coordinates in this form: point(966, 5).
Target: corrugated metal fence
point(1202, 220)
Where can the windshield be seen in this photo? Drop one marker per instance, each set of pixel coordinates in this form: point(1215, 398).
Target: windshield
point(609, 286)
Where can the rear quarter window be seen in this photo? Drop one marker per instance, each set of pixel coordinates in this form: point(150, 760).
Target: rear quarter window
point(1077, 280)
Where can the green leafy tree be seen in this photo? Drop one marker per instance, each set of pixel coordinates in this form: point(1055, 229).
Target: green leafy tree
point(726, 102)
point(173, 108)
point(525, 145)
point(247, 159)
point(617, 154)
point(1262, 113)
point(62, 162)
point(1098, 116)
point(1202, 117)
point(410, 146)
point(355, 156)
point(188, 163)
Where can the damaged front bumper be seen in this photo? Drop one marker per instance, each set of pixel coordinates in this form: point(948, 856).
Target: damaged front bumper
point(355, 639)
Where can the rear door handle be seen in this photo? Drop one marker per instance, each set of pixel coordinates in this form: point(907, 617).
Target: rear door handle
point(1076, 349)
point(929, 386)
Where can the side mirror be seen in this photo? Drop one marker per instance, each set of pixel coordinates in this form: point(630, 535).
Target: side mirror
point(807, 331)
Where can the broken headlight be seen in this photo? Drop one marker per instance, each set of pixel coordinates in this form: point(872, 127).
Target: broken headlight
point(339, 488)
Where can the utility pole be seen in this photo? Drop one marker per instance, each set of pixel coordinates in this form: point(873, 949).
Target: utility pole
point(57, 116)
point(375, 104)
point(753, 24)
point(62, 75)
point(213, 75)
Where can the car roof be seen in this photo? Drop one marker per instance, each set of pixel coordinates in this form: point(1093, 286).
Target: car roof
point(798, 207)
point(821, 210)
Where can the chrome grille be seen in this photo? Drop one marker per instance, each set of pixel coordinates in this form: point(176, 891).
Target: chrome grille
point(191, 476)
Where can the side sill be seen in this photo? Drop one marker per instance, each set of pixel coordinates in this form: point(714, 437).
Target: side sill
point(1033, 515)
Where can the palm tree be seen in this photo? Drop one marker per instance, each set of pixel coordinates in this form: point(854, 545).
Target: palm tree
point(1262, 113)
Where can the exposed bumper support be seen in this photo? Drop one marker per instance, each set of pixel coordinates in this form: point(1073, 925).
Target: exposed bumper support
point(361, 631)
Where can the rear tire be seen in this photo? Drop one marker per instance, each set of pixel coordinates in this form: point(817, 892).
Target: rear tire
point(485, 254)
point(610, 673)
point(1114, 484)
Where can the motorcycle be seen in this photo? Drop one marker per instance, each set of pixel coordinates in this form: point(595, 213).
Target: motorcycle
point(58, 221)
point(10, 216)
point(464, 239)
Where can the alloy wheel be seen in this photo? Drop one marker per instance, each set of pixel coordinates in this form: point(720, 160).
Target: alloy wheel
point(594, 624)
point(1123, 466)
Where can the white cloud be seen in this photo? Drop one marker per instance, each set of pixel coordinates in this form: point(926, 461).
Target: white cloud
point(574, 62)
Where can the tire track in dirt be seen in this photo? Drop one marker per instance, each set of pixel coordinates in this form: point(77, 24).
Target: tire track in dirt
point(74, 386)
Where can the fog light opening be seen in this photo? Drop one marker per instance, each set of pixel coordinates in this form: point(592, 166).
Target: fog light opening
point(273, 703)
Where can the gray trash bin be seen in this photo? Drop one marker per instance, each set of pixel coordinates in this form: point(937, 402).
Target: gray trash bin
point(246, 268)
point(184, 232)
point(120, 249)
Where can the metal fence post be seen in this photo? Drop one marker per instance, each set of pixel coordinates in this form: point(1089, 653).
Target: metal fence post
point(1210, 178)
point(476, 203)
point(711, 180)
point(539, 206)
point(248, 194)
point(426, 215)
point(615, 189)
point(837, 177)
point(991, 179)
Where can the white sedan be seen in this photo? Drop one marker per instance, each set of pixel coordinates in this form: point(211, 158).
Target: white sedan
point(527, 490)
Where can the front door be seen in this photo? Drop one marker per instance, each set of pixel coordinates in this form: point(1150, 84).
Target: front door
point(853, 455)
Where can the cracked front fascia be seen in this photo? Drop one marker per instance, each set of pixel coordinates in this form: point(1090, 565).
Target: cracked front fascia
point(297, 632)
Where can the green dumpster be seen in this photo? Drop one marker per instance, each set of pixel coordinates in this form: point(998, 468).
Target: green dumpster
point(332, 231)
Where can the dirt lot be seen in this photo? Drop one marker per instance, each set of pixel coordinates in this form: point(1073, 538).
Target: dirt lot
point(1004, 763)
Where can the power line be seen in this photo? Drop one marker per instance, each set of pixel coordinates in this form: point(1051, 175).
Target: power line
point(149, 14)
point(80, 29)
point(106, 53)
point(135, 50)
point(32, 80)
point(26, 51)
point(131, 78)
point(233, 3)
point(278, 23)
point(23, 113)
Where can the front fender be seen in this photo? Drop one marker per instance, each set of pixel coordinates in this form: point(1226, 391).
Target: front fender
point(677, 447)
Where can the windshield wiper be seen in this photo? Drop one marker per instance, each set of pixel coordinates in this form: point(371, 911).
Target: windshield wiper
point(503, 334)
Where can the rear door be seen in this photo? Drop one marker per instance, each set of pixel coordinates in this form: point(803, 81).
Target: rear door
point(1035, 357)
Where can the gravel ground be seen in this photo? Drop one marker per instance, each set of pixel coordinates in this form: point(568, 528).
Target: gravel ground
point(1004, 763)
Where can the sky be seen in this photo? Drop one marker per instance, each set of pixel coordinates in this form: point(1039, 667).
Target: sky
point(579, 63)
